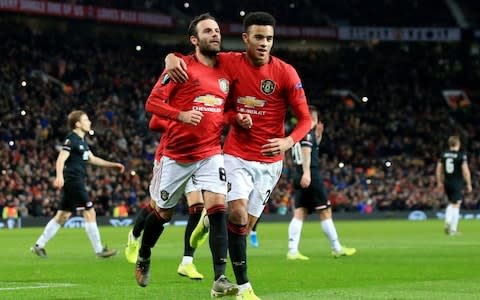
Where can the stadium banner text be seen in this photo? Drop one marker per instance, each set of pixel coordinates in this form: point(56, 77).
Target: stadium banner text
point(100, 14)
point(323, 33)
point(400, 34)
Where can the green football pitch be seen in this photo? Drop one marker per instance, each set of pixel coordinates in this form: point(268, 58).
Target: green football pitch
point(394, 260)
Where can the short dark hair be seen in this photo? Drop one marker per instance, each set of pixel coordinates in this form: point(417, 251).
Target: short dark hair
point(312, 108)
point(74, 117)
point(258, 18)
point(192, 28)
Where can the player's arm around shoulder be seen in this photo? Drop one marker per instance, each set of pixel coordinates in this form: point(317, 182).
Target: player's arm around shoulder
point(95, 160)
point(176, 67)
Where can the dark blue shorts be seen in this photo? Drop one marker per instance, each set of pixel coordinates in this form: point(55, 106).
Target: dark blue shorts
point(75, 196)
point(313, 198)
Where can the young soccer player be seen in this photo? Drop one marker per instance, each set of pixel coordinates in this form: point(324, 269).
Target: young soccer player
point(71, 168)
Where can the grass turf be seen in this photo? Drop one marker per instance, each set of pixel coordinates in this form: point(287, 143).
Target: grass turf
point(395, 260)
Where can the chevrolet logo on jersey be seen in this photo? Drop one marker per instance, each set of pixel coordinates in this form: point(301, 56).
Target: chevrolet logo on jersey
point(209, 100)
point(251, 102)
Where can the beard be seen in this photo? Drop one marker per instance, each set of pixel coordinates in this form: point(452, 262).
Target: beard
point(208, 50)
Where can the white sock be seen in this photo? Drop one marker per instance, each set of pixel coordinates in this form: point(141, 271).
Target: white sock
point(294, 233)
point(48, 233)
point(448, 216)
point(455, 218)
point(187, 260)
point(329, 229)
point(132, 237)
point(242, 287)
point(94, 235)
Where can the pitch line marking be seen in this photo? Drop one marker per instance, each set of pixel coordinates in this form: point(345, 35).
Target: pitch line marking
point(39, 286)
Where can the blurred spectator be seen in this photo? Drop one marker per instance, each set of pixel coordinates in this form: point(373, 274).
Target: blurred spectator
point(10, 215)
point(120, 210)
point(403, 122)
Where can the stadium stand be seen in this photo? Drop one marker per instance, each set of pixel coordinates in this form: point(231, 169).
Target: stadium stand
point(377, 155)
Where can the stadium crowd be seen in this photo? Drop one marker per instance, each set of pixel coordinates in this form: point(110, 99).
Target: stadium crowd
point(305, 12)
point(376, 155)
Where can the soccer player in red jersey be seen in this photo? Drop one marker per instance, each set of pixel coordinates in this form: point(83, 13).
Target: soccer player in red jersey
point(192, 150)
point(133, 243)
point(264, 87)
point(195, 208)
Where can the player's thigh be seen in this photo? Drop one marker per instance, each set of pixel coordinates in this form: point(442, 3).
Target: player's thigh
point(193, 193)
point(169, 181)
point(62, 216)
point(240, 179)
point(210, 176)
point(89, 215)
point(265, 179)
point(213, 199)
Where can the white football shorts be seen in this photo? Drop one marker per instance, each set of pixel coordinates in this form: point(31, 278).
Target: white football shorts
point(251, 180)
point(190, 187)
point(170, 179)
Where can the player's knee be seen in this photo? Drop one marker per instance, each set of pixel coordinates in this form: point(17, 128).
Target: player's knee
point(165, 214)
point(89, 215)
point(325, 213)
point(238, 229)
point(195, 208)
point(62, 217)
point(151, 205)
point(237, 215)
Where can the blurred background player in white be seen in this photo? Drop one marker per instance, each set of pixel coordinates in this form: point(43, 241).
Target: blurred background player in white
point(310, 194)
point(71, 169)
point(453, 175)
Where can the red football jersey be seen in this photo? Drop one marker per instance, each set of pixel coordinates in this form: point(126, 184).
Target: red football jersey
point(159, 124)
point(265, 93)
point(160, 148)
point(206, 91)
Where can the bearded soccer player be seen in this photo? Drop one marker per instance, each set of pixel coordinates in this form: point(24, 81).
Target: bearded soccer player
point(195, 208)
point(264, 88)
point(453, 175)
point(192, 149)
